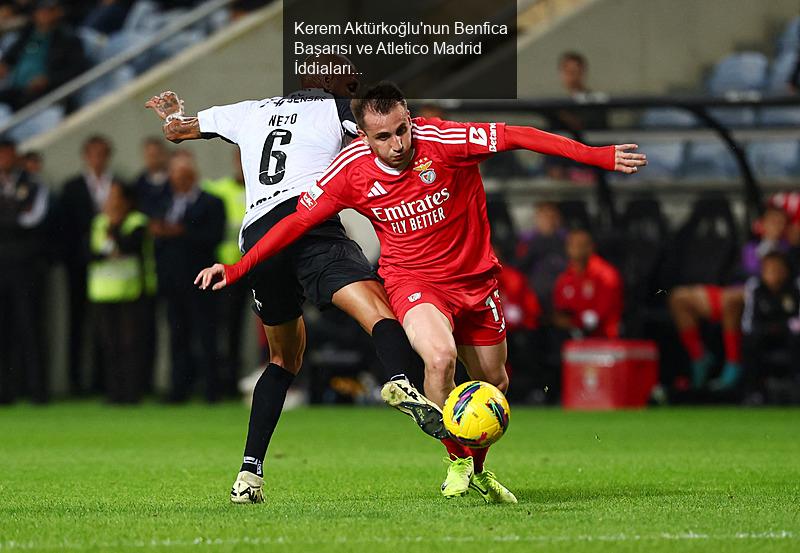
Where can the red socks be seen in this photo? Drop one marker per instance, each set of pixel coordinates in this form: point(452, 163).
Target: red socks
point(457, 451)
point(690, 338)
point(732, 340)
point(454, 449)
point(478, 457)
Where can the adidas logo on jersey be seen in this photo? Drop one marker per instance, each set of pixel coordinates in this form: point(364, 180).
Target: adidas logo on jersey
point(376, 190)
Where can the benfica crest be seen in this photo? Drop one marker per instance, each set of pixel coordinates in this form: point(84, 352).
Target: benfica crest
point(425, 171)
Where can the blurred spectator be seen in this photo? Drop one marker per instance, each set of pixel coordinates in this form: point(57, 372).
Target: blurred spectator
point(121, 273)
point(771, 324)
point(430, 111)
point(521, 313)
point(234, 299)
point(107, 16)
point(572, 70)
point(152, 187)
point(540, 253)
point(33, 163)
point(12, 18)
point(46, 55)
point(82, 197)
point(186, 242)
point(588, 296)
point(717, 304)
point(23, 211)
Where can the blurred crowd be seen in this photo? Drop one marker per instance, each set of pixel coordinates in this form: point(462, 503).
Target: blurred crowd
point(132, 249)
point(45, 43)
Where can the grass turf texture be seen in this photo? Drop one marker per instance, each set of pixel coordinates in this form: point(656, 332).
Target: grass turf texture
point(90, 477)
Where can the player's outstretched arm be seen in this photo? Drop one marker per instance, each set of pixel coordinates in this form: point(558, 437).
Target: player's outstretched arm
point(177, 126)
point(284, 233)
point(621, 157)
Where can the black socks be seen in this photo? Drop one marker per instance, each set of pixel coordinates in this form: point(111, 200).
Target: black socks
point(395, 352)
point(268, 398)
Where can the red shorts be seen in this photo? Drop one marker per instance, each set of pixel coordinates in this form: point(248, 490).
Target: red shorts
point(714, 294)
point(472, 307)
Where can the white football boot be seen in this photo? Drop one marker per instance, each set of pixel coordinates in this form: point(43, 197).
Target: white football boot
point(403, 396)
point(247, 488)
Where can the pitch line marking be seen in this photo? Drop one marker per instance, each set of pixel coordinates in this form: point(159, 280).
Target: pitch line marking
point(280, 540)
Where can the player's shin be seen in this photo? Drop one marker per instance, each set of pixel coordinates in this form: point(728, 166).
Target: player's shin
point(268, 398)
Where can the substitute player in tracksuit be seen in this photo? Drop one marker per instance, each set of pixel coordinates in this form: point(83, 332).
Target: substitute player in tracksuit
point(417, 181)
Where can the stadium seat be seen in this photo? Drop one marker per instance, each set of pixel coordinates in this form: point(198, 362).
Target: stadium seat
point(734, 117)
point(775, 159)
point(42, 122)
point(93, 44)
point(668, 117)
point(789, 41)
point(575, 214)
point(709, 159)
point(104, 85)
point(742, 72)
point(706, 246)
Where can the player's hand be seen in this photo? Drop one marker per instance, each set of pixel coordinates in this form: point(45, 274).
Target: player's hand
point(213, 276)
point(626, 161)
point(165, 104)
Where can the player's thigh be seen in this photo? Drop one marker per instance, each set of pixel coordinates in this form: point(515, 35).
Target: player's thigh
point(487, 363)
point(365, 301)
point(430, 332)
point(334, 271)
point(700, 300)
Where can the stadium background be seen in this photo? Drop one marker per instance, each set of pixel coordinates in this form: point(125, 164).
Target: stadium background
point(80, 474)
point(746, 56)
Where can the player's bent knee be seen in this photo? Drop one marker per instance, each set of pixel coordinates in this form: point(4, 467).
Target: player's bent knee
point(441, 358)
point(500, 381)
point(291, 363)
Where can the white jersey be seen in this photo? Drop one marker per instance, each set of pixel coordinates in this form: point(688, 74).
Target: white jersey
point(286, 143)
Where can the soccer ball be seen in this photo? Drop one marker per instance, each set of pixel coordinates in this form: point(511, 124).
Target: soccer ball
point(476, 414)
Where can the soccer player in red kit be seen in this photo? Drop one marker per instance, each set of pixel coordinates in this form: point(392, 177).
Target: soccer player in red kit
point(417, 180)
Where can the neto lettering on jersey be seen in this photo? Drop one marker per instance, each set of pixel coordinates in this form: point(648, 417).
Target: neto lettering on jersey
point(279, 120)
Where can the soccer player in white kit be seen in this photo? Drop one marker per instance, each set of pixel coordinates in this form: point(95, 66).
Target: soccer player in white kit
point(286, 144)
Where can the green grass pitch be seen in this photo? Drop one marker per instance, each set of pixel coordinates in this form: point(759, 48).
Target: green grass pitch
point(77, 477)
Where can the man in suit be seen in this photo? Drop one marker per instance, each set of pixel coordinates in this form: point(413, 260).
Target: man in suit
point(186, 240)
point(82, 197)
point(23, 258)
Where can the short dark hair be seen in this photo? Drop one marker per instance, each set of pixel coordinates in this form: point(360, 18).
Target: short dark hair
point(380, 98)
point(98, 139)
point(780, 257)
point(572, 55)
point(8, 143)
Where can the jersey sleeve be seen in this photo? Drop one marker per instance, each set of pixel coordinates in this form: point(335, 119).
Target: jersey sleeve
point(313, 208)
point(224, 121)
point(461, 143)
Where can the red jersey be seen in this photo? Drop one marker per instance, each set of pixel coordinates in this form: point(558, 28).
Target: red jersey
point(598, 289)
point(430, 217)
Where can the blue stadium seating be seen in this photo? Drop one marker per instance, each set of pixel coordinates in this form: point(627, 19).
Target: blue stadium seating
point(709, 159)
point(668, 117)
point(775, 159)
point(741, 72)
point(789, 41)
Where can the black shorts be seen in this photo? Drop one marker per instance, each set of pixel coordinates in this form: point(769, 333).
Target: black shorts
point(323, 261)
